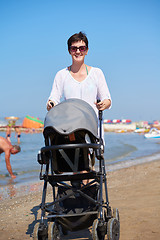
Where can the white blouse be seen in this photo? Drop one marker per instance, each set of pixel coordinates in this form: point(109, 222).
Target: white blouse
point(93, 87)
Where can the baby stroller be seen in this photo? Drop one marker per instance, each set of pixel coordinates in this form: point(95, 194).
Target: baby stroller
point(80, 197)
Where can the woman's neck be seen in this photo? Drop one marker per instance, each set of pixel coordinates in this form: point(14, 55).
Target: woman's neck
point(75, 68)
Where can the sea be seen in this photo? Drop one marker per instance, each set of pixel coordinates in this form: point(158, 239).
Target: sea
point(121, 150)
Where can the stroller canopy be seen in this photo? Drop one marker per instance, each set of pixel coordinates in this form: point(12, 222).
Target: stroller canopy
point(72, 115)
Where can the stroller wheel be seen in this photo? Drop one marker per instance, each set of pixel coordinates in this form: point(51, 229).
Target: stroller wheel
point(96, 234)
point(35, 231)
point(53, 231)
point(113, 229)
point(40, 231)
point(116, 213)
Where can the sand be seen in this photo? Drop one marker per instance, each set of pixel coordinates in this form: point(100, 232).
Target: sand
point(135, 191)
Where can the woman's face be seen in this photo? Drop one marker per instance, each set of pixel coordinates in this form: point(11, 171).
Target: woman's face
point(78, 51)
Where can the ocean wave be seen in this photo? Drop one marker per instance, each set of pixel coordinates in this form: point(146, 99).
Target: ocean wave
point(119, 152)
point(133, 162)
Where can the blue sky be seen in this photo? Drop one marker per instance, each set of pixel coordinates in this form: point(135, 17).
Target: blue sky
point(124, 41)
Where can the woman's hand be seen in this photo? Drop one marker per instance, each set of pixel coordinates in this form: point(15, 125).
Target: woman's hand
point(102, 105)
point(50, 104)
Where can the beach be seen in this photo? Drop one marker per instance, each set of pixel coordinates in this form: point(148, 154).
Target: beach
point(135, 191)
point(133, 169)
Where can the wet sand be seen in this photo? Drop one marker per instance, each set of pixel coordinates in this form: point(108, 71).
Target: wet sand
point(135, 191)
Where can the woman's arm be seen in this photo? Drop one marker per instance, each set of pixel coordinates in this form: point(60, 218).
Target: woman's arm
point(57, 89)
point(103, 92)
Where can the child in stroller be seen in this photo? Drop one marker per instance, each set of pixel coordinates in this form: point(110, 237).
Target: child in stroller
point(71, 145)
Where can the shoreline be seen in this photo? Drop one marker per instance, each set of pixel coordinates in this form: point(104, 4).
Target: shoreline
point(13, 190)
point(22, 129)
point(133, 190)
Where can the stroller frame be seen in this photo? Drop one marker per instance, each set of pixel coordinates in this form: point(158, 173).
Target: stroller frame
point(104, 219)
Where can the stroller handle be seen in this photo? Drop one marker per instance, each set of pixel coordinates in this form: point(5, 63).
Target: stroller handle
point(100, 122)
point(100, 111)
point(71, 146)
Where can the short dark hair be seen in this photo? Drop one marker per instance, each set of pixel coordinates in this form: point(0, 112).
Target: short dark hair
point(17, 148)
point(77, 37)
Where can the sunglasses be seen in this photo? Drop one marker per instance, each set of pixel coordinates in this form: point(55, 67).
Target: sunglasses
point(81, 48)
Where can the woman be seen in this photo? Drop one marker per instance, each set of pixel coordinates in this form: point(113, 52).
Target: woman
point(80, 80)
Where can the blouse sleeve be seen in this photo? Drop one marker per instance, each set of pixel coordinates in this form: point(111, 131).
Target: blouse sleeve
point(57, 89)
point(102, 89)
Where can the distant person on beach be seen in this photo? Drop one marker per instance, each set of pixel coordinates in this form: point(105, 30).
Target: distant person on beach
point(17, 134)
point(8, 133)
point(8, 149)
point(80, 80)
